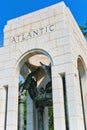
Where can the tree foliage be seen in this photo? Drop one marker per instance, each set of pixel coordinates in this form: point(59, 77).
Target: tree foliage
point(50, 119)
point(84, 29)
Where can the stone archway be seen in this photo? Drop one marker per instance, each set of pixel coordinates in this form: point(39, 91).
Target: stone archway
point(29, 63)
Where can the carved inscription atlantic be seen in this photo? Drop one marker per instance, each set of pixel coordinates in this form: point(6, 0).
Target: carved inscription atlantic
point(31, 34)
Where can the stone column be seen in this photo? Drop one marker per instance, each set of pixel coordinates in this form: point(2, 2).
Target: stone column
point(74, 102)
point(30, 114)
point(58, 102)
point(21, 112)
point(2, 108)
point(40, 111)
point(12, 109)
point(45, 116)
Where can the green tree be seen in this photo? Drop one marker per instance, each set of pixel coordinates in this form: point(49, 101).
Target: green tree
point(50, 118)
point(84, 29)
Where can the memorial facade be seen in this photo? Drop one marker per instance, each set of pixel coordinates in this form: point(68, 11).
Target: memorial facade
point(52, 37)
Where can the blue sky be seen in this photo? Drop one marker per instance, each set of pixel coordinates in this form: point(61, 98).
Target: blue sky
point(10, 9)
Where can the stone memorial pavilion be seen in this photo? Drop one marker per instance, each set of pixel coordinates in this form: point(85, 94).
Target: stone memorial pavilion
point(48, 51)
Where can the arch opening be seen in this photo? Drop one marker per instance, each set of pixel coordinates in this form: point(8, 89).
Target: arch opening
point(82, 81)
point(35, 101)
